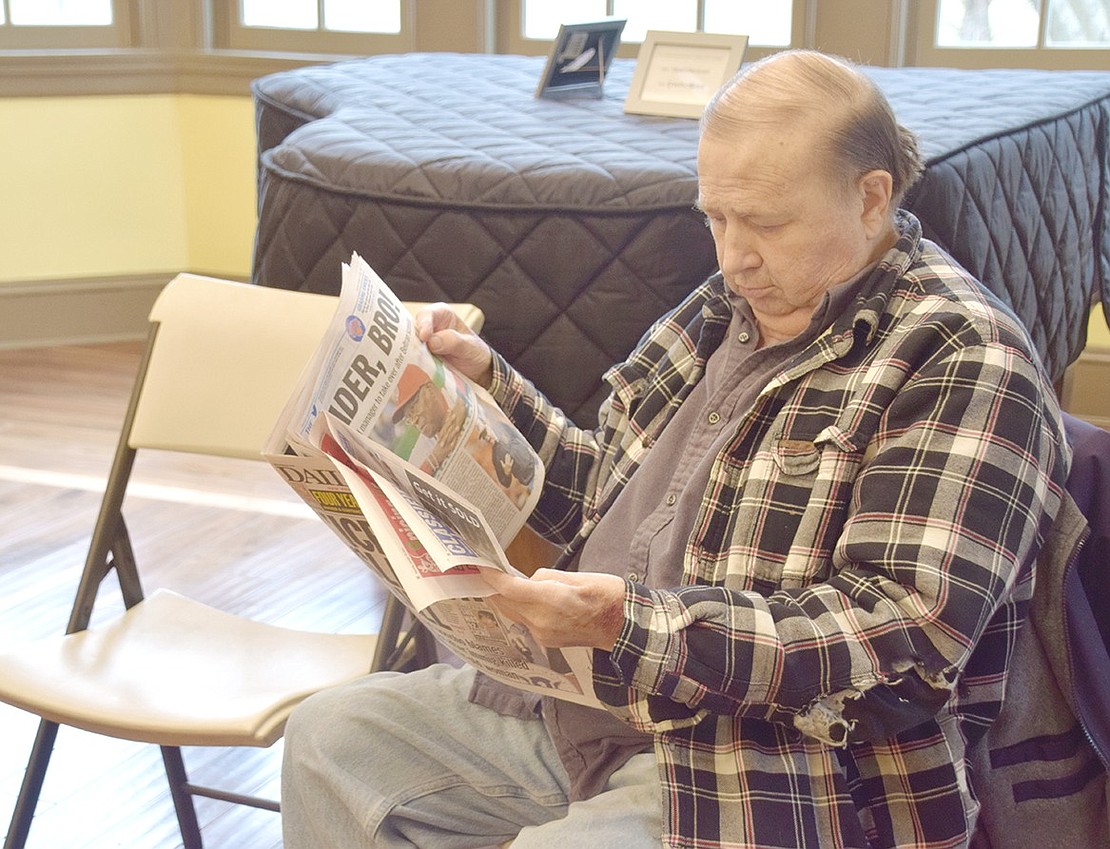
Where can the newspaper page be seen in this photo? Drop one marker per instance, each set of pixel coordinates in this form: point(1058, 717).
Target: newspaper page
point(409, 529)
point(372, 373)
point(380, 439)
point(321, 485)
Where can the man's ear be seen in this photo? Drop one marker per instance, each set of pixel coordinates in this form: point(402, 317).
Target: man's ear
point(876, 190)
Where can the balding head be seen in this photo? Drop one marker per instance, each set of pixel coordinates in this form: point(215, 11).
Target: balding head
point(848, 118)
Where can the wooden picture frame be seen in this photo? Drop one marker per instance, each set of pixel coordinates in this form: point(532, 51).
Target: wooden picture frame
point(678, 72)
point(580, 58)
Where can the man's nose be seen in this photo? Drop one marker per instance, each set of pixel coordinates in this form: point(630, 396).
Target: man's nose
point(739, 253)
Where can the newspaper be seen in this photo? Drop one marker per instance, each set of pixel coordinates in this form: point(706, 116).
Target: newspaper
point(372, 373)
point(422, 475)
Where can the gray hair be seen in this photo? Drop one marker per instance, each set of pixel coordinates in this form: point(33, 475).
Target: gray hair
point(859, 130)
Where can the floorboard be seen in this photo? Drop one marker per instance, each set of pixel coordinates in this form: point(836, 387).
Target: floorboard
point(227, 532)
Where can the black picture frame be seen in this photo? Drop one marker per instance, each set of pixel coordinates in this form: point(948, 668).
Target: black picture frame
point(580, 58)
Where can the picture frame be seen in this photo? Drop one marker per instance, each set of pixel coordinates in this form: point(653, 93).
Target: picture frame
point(677, 73)
point(580, 58)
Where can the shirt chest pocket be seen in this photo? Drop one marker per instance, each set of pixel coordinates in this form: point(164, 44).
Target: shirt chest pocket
point(794, 501)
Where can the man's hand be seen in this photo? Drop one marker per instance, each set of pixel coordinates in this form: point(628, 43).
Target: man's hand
point(451, 339)
point(563, 608)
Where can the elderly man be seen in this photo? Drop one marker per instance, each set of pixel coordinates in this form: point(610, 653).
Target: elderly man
point(800, 541)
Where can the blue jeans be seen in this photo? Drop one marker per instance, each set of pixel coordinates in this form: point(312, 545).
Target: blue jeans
point(404, 760)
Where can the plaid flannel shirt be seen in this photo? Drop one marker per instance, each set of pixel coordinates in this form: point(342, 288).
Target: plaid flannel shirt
point(857, 572)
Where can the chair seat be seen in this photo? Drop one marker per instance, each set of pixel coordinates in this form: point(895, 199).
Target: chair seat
point(173, 671)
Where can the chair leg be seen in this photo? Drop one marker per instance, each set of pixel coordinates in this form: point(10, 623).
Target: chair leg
point(397, 653)
point(389, 636)
point(32, 785)
point(426, 653)
point(182, 798)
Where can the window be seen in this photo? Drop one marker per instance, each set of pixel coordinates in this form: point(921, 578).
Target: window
point(316, 26)
point(213, 46)
point(767, 23)
point(1023, 23)
point(63, 23)
point(327, 15)
point(1034, 33)
point(60, 12)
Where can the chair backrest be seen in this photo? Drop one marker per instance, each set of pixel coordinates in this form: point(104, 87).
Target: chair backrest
point(224, 359)
point(1089, 485)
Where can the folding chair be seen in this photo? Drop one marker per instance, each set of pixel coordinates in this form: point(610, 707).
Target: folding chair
point(220, 361)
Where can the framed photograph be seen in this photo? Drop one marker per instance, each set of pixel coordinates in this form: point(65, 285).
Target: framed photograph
point(677, 72)
point(580, 58)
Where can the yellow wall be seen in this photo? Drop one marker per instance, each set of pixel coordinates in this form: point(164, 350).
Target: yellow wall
point(1098, 332)
point(126, 185)
point(218, 147)
point(139, 184)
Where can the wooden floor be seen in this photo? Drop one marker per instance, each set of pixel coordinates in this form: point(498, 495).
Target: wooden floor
point(231, 535)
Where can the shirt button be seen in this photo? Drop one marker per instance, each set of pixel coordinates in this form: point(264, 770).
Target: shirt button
point(634, 577)
point(714, 417)
point(671, 499)
point(744, 337)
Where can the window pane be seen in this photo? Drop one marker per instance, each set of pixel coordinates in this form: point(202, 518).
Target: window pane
point(642, 15)
point(988, 23)
point(765, 22)
point(543, 17)
point(1078, 23)
point(49, 13)
point(284, 14)
point(362, 15)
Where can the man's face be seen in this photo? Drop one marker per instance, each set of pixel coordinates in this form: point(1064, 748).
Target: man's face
point(785, 231)
point(426, 412)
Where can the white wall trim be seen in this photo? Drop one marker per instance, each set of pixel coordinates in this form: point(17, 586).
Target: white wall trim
point(88, 310)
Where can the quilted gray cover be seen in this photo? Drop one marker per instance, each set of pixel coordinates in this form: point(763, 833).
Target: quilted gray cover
point(571, 224)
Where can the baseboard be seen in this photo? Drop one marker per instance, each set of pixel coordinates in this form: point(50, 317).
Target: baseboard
point(77, 311)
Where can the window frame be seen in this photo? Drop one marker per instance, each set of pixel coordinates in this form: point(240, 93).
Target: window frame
point(116, 35)
point(927, 53)
point(510, 34)
point(171, 46)
point(183, 46)
point(231, 34)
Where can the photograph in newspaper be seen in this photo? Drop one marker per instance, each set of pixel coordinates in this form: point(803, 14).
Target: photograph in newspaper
point(373, 374)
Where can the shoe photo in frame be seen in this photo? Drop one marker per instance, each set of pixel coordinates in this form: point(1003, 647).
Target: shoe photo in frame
point(580, 58)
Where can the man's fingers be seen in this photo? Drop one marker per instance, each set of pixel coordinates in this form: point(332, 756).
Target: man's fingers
point(434, 318)
point(456, 344)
